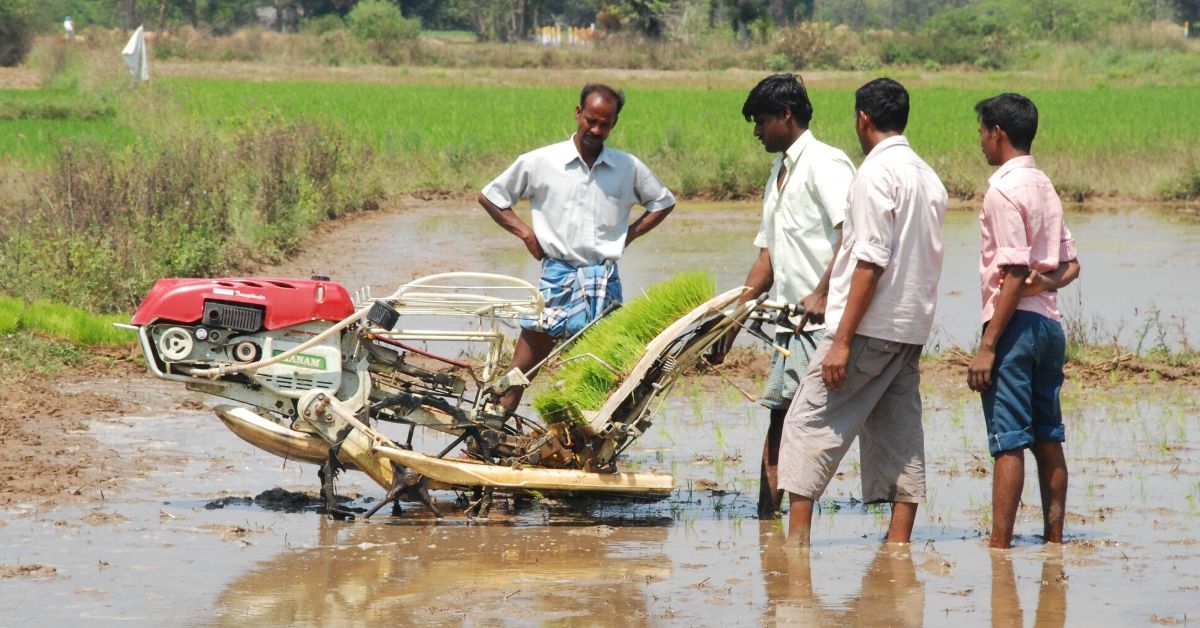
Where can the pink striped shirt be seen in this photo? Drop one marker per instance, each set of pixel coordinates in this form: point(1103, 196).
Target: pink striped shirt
point(1022, 225)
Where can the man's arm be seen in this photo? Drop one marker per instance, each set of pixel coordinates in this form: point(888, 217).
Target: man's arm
point(645, 223)
point(979, 373)
point(1057, 279)
point(512, 223)
point(814, 304)
point(760, 279)
point(863, 282)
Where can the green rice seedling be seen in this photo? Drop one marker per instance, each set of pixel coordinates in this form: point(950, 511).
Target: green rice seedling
point(616, 343)
point(721, 441)
point(697, 406)
point(76, 325)
point(10, 314)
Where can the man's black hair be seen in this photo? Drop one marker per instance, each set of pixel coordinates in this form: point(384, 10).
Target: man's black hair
point(614, 95)
point(1015, 114)
point(886, 102)
point(779, 93)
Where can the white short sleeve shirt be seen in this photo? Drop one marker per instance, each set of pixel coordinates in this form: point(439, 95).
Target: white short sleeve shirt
point(800, 222)
point(580, 214)
point(894, 220)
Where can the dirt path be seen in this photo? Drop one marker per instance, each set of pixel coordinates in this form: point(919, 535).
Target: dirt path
point(48, 457)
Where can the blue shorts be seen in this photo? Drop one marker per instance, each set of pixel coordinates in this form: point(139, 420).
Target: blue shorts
point(1021, 407)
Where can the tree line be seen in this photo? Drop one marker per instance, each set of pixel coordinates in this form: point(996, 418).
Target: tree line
point(940, 24)
point(647, 17)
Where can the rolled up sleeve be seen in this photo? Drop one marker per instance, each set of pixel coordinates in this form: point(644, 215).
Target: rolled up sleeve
point(511, 186)
point(649, 190)
point(1066, 247)
point(1008, 230)
point(874, 219)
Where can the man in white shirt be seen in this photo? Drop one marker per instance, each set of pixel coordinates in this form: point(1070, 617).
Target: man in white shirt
point(865, 377)
point(804, 202)
point(581, 193)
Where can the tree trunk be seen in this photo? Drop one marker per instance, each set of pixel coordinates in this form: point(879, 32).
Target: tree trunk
point(162, 20)
point(127, 12)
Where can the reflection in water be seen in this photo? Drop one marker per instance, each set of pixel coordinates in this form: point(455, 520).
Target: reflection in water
point(1052, 592)
point(438, 574)
point(890, 595)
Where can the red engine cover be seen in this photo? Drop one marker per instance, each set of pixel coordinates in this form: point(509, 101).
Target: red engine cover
point(285, 302)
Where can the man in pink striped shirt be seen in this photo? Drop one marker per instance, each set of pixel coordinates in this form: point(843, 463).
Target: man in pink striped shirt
point(1027, 254)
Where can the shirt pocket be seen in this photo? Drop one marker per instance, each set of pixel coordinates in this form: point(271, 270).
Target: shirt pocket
point(876, 355)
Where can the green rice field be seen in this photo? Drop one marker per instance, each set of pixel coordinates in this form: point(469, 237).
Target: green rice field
point(1128, 141)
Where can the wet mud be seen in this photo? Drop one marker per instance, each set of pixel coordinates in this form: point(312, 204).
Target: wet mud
point(153, 550)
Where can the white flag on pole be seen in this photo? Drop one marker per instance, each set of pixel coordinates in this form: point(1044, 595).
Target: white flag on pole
point(135, 56)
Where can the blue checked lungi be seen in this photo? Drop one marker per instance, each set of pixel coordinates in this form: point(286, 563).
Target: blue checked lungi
point(786, 373)
point(574, 296)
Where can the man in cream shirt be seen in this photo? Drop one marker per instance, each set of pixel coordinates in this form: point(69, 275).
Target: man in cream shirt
point(865, 377)
point(581, 193)
point(804, 202)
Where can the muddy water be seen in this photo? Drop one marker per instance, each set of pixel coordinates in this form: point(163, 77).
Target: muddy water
point(1139, 263)
point(155, 554)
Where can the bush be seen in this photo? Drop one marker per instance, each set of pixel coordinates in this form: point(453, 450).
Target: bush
point(390, 36)
point(806, 45)
point(16, 31)
point(968, 35)
point(322, 24)
point(59, 64)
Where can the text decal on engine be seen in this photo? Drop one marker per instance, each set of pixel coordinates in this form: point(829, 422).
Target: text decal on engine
point(304, 360)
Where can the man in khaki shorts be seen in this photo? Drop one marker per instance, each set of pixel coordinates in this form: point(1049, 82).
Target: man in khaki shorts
point(803, 204)
point(864, 377)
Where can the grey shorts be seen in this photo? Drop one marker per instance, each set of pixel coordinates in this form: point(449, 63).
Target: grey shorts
point(880, 403)
point(784, 377)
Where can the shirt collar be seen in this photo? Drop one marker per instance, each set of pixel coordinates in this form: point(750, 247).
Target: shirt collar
point(895, 140)
point(792, 154)
point(570, 153)
point(1016, 163)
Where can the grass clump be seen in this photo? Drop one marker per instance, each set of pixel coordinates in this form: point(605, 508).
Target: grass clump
point(26, 353)
point(1185, 186)
point(583, 382)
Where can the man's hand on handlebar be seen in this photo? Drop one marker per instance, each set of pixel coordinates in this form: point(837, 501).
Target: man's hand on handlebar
point(812, 310)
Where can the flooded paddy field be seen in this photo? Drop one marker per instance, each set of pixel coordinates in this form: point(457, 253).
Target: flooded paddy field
point(180, 545)
point(162, 551)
